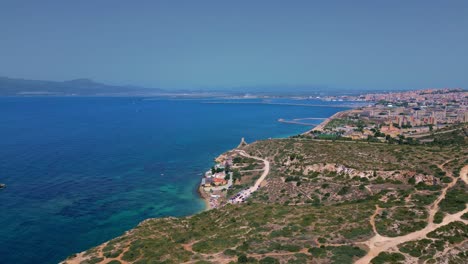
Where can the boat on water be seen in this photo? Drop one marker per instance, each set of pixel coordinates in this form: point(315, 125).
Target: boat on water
point(2, 185)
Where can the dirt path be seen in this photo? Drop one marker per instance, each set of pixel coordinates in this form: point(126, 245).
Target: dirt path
point(372, 219)
point(463, 174)
point(80, 257)
point(380, 243)
point(218, 257)
point(265, 172)
point(369, 189)
point(188, 246)
point(435, 205)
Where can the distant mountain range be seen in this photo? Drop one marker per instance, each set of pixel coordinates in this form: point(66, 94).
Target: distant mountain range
point(87, 87)
point(83, 87)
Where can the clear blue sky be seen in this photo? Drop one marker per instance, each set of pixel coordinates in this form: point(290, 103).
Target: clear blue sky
point(220, 44)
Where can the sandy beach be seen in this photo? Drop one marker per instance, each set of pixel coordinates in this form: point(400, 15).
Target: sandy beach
point(205, 197)
point(322, 125)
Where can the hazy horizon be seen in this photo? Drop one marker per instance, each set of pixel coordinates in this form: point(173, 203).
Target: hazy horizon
point(213, 45)
point(30, 85)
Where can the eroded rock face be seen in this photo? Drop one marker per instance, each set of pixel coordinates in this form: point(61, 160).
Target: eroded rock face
point(427, 179)
point(338, 168)
point(403, 176)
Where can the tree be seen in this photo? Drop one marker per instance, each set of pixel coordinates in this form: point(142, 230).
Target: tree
point(236, 175)
point(379, 134)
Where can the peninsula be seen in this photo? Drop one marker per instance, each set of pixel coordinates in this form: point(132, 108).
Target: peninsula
point(326, 196)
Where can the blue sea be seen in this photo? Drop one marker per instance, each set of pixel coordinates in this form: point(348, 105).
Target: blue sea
point(82, 170)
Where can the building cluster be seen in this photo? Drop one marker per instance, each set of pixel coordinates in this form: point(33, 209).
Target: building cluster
point(217, 175)
point(427, 96)
point(405, 113)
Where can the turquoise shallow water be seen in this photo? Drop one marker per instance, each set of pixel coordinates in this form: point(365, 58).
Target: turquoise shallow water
point(80, 171)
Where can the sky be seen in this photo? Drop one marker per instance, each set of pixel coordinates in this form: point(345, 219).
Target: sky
point(398, 44)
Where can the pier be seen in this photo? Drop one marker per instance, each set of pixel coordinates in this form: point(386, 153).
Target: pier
point(298, 121)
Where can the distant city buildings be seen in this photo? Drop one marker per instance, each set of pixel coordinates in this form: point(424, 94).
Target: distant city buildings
point(401, 113)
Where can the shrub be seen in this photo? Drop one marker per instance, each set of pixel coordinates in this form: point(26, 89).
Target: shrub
point(446, 179)
point(291, 248)
point(343, 190)
point(269, 260)
point(438, 217)
point(242, 258)
point(385, 257)
point(356, 232)
point(345, 254)
point(454, 201)
point(230, 252)
point(318, 252)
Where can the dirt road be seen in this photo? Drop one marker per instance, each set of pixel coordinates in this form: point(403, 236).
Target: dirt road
point(380, 243)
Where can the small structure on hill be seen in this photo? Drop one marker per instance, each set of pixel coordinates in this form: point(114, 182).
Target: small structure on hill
point(242, 143)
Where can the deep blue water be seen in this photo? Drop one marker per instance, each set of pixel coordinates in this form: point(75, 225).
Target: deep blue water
point(80, 171)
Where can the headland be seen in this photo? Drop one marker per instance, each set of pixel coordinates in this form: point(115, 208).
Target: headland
point(313, 198)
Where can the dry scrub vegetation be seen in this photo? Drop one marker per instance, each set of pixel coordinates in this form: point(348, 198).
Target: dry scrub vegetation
point(323, 201)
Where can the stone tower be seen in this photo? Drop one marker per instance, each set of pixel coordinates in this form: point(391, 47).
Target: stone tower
point(242, 143)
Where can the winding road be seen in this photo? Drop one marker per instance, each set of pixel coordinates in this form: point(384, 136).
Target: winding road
point(266, 168)
point(244, 194)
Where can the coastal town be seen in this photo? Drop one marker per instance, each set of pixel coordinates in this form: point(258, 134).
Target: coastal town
point(233, 178)
point(409, 115)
